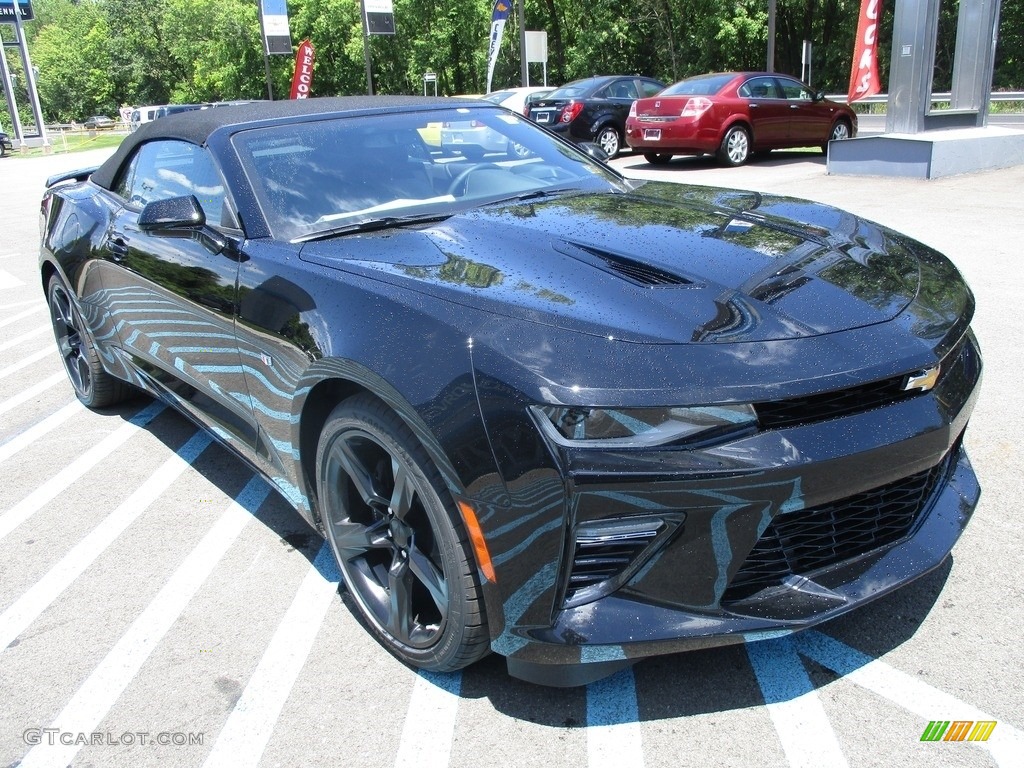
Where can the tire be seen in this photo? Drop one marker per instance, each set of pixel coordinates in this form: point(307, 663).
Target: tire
point(401, 548)
point(93, 386)
point(657, 158)
point(607, 138)
point(735, 147)
point(840, 131)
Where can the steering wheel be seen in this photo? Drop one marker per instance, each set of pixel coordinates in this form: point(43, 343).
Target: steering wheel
point(460, 180)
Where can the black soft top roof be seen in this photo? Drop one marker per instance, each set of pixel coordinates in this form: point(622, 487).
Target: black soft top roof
point(196, 126)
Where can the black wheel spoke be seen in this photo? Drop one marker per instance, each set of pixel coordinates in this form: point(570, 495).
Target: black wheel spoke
point(362, 476)
point(354, 539)
point(404, 492)
point(430, 576)
point(400, 618)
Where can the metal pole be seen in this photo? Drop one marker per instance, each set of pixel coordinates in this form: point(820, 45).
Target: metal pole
point(30, 78)
point(12, 104)
point(525, 67)
point(366, 49)
point(266, 54)
point(771, 36)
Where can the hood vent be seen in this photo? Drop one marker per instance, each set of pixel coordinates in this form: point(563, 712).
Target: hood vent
point(634, 271)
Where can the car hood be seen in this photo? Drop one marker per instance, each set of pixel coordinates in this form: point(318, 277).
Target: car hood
point(665, 263)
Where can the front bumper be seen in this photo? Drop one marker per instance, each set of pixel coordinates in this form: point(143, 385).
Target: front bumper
point(706, 576)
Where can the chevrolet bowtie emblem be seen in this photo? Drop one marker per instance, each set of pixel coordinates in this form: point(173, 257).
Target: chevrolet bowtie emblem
point(923, 380)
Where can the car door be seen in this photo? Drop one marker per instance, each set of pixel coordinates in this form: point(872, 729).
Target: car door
point(620, 95)
point(174, 293)
point(768, 111)
point(810, 121)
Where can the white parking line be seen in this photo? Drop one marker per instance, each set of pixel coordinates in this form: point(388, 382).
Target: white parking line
point(613, 722)
point(430, 721)
point(33, 433)
point(41, 595)
point(55, 485)
point(1006, 744)
point(803, 727)
point(16, 304)
point(27, 336)
point(249, 726)
point(105, 685)
point(7, 280)
point(35, 357)
point(32, 392)
point(36, 307)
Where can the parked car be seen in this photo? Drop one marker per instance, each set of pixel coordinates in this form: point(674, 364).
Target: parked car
point(593, 109)
point(734, 115)
point(175, 109)
point(99, 123)
point(6, 145)
point(535, 408)
point(515, 98)
point(532, 98)
point(142, 115)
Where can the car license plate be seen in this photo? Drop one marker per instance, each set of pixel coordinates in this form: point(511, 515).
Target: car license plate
point(652, 134)
point(543, 117)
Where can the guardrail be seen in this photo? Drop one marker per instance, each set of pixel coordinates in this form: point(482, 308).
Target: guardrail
point(937, 98)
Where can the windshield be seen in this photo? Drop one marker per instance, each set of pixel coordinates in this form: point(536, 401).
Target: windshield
point(333, 175)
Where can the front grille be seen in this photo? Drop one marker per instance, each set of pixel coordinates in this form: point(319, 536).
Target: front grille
point(805, 540)
point(830, 405)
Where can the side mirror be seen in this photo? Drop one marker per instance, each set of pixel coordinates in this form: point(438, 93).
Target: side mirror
point(172, 213)
point(595, 151)
point(819, 96)
point(181, 217)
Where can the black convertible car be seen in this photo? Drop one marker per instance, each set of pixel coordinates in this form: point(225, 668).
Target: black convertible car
point(536, 408)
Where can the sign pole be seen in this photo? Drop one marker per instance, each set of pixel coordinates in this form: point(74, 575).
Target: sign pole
point(366, 49)
point(266, 56)
point(12, 104)
point(524, 65)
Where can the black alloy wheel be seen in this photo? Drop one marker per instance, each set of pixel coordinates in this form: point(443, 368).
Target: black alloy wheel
point(394, 531)
point(93, 386)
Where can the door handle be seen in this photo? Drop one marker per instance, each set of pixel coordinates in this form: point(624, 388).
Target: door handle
point(118, 247)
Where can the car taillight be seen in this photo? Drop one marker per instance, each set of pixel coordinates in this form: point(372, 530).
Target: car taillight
point(632, 109)
point(696, 107)
point(571, 110)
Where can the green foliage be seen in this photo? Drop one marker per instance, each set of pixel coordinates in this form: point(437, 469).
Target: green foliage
point(95, 56)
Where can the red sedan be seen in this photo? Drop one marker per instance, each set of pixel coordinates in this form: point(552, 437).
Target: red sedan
point(733, 115)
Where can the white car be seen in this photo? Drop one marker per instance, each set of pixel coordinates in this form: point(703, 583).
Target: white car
point(515, 98)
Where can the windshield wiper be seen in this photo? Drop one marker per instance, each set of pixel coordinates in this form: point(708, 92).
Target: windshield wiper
point(536, 194)
point(372, 225)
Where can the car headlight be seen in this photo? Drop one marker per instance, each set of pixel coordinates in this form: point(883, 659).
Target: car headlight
point(640, 427)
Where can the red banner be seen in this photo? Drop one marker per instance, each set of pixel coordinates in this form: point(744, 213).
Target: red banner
point(302, 80)
point(864, 72)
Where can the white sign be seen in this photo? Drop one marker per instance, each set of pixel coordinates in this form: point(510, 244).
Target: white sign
point(537, 46)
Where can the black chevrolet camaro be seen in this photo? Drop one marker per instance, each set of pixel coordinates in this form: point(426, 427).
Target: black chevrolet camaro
point(536, 408)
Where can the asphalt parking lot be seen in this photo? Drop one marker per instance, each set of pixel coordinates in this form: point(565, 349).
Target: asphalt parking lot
point(160, 605)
